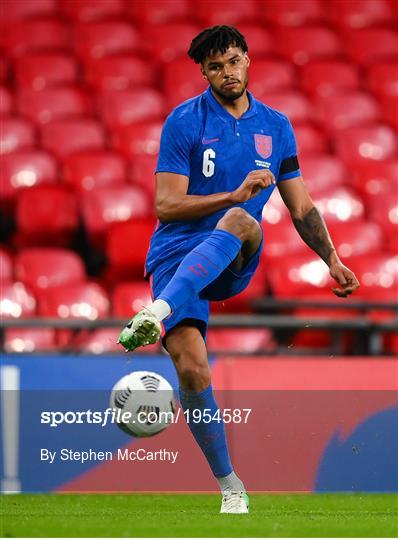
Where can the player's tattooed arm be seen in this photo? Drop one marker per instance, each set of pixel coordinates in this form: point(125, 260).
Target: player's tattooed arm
point(312, 229)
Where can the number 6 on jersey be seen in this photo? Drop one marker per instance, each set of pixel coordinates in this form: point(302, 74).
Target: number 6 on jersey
point(208, 165)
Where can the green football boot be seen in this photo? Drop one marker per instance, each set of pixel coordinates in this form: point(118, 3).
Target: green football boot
point(143, 329)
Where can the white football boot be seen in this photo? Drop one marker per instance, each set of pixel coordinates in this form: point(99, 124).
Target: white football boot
point(234, 502)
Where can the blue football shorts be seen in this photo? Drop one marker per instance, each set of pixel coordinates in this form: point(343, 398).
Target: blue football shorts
point(196, 311)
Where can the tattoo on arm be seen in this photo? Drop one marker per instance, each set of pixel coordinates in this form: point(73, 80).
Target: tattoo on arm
point(312, 229)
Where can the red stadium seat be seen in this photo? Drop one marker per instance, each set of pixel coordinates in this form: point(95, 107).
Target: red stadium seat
point(270, 75)
point(65, 137)
point(130, 297)
point(230, 12)
point(346, 110)
point(382, 79)
point(88, 171)
point(75, 301)
point(275, 210)
point(124, 261)
point(384, 211)
point(4, 69)
point(301, 45)
point(359, 14)
point(16, 301)
point(294, 104)
point(39, 71)
point(25, 169)
point(46, 214)
point(370, 143)
point(120, 72)
point(52, 104)
point(143, 173)
point(169, 41)
point(298, 276)
point(6, 267)
point(282, 238)
point(46, 268)
point(15, 10)
point(389, 107)
point(340, 204)
point(241, 340)
point(154, 12)
point(378, 276)
point(293, 12)
point(322, 172)
point(100, 341)
point(138, 139)
point(258, 39)
point(310, 140)
point(98, 39)
point(124, 107)
point(361, 239)
point(26, 340)
point(15, 134)
point(371, 45)
point(375, 178)
point(90, 10)
point(182, 80)
point(105, 206)
point(36, 35)
point(5, 101)
point(327, 77)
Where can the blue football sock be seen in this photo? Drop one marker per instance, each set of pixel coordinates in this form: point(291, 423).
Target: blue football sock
point(209, 436)
point(201, 266)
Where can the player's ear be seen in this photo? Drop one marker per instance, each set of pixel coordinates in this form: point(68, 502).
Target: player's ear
point(204, 74)
point(247, 60)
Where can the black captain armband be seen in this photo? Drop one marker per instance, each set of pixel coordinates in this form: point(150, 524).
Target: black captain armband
point(289, 165)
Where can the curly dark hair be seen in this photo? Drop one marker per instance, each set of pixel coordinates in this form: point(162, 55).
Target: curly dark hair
point(215, 39)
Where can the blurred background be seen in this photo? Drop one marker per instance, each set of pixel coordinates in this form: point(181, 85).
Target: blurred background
point(85, 88)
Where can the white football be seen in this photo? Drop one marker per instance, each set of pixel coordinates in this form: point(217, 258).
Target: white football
point(148, 400)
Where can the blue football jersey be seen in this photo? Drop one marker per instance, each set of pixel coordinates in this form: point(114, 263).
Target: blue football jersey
point(202, 140)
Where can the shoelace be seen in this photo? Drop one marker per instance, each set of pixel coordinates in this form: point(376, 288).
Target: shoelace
point(232, 499)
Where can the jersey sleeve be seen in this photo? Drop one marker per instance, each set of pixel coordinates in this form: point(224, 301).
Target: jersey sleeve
point(175, 146)
point(289, 167)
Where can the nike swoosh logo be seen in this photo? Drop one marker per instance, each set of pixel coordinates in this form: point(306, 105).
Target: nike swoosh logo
point(208, 141)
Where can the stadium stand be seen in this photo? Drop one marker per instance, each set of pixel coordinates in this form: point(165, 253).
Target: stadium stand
point(5, 101)
point(39, 71)
point(47, 268)
point(16, 134)
point(25, 169)
point(84, 89)
point(68, 136)
point(119, 72)
point(29, 36)
point(51, 104)
point(87, 171)
point(46, 215)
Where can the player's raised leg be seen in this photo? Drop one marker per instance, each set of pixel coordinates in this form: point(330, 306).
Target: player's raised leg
point(188, 352)
point(236, 234)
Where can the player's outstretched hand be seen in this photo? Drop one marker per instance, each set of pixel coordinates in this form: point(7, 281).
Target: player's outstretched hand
point(254, 182)
point(345, 278)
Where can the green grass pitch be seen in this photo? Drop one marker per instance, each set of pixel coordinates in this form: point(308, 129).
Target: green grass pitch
point(154, 515)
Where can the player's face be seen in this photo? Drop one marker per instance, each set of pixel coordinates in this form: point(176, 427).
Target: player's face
point(227, 73)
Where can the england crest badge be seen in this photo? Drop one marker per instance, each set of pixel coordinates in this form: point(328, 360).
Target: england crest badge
point(263, 145)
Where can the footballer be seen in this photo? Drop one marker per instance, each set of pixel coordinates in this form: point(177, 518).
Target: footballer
point(221, 156)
